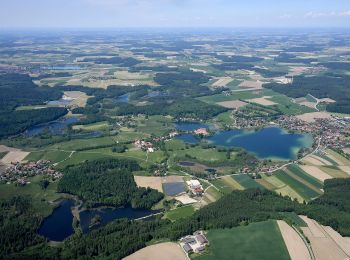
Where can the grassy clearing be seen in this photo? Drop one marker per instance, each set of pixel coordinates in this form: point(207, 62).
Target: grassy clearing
point(225, 118)
point(77, 144)
point(286, 106)
point(206, 154)
point(294, 218)
point(180, 213)
point(41, 198)
point(93, 127)
point(262, 241)
point(222, 186)
point(246, 182)
point(52, 156)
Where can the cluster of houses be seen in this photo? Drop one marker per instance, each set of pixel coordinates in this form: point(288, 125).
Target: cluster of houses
point(148, 146)
point(144, 145)
point(194, 243)
point(195, 187)
point(19, 172)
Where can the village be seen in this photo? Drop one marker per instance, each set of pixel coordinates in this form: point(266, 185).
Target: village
point(20, 172)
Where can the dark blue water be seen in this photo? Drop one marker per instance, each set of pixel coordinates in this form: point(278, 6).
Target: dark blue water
point(157, 94)
point(58, 226)
point(54, 127)
point(190, 126)
point(269, 142)
point(109, 214)
point(123, 98)
point(188, 138)
point(60, 102)
point(173, 188)
point(68, 67)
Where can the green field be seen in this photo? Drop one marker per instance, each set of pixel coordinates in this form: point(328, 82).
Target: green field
point(261, 240)
point(308, 178)
point(294, 218)
point(52, 156)
point(246, 181)
point(179, 213)
point(42, 199)
point(303, 190)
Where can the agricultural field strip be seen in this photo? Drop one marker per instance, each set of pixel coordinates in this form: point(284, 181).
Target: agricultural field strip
point(303, 180)
point(296, 247)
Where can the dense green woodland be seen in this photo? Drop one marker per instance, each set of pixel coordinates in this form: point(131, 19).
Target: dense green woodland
point(120, 61)
point(16, 122)
point(19, 90)
point(122, 237)
point(326, 86)
point(179, 108)
point(108, 182)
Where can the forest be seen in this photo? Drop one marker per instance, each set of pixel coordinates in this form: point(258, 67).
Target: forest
point(122, 237)
point(16, 122)
point(120, 61)
point(108, 182)
point(179, 108)
point(319, 86)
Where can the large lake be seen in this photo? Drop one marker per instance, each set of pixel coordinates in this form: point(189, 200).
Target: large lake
point(266, 143)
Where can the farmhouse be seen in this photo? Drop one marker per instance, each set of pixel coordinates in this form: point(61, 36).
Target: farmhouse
point(194, 243)
point(195, 187)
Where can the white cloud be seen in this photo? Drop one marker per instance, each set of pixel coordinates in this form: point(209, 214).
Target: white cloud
point(314, 14)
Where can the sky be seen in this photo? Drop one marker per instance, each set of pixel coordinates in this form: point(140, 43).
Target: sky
point(173, 13)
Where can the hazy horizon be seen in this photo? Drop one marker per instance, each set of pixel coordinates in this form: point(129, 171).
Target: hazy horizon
point(104, 14)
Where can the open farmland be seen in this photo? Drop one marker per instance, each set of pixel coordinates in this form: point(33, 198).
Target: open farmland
point(262, 240)
point(166, 251)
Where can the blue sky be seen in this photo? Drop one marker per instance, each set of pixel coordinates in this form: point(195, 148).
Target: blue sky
point(173, 13)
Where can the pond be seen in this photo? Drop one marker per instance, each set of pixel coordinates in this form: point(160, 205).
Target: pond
point(61, 102)
point(106, 215)
point(173, 188)
point(58, 226)
point(54, 127)
point(123, 98)
point(266, 143)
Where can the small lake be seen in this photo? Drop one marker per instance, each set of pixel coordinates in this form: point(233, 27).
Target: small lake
point(107, 215)
point(187, 126)
point(60, 102)
point(123, 98)
point(266, 143)
point(58, 226)
point(54, 127)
